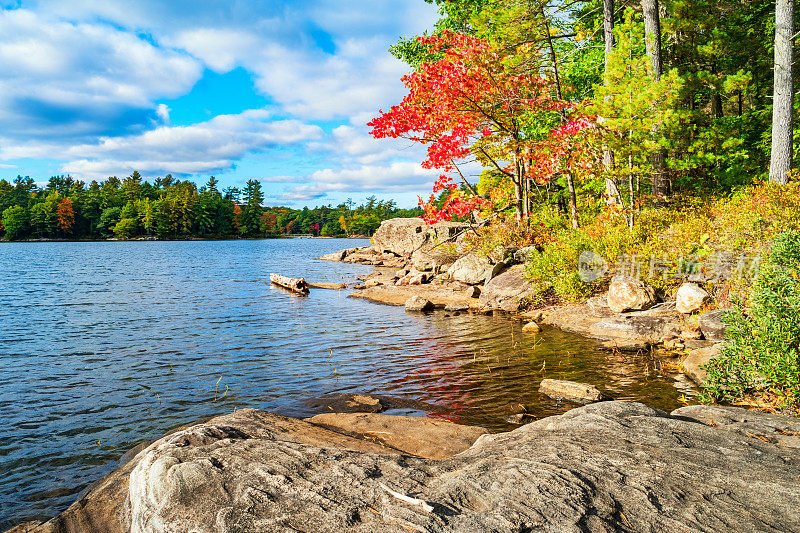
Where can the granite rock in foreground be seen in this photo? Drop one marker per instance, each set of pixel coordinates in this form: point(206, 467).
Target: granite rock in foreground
point(610, 466)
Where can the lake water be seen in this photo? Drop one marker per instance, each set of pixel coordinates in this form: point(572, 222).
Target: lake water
point(108, 344)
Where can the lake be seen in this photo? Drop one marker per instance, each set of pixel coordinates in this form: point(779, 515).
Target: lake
point(108, 344)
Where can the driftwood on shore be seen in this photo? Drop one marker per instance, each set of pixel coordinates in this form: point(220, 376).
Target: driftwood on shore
point(297, 285)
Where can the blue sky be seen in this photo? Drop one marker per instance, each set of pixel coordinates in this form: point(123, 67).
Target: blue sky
point(279, 91)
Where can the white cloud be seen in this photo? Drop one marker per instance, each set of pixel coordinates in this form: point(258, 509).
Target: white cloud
point(80, 83)
point(400, 176)
point(162, 112)
point(72, 79)
point(211, 146)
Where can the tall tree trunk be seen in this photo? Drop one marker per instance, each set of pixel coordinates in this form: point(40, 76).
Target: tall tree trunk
point(573, 203)
point(781, 158)
point(553, 58)
point(612, 192)
point(652, 29)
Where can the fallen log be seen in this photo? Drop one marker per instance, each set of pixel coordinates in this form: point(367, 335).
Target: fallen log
point(297, 285)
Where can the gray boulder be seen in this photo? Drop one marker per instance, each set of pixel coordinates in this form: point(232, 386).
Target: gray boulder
point(508, 291)
point(712, 326)
point(432, 261)
point(402, 236)
point(471, 269)
point(418, 303)
point(693, 364)
point(690, 297)
point(637, 327)
point(626, 293)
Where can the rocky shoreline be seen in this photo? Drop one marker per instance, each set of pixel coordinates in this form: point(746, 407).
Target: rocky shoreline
point(414, 269)
point(607, 466)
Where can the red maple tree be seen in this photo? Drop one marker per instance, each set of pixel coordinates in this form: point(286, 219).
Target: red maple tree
point(470, 103)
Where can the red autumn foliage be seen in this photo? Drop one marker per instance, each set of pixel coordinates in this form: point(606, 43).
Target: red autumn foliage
point(471, 102)
point(65, 214)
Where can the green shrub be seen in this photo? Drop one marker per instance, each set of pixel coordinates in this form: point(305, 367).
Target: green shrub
point(762, 349)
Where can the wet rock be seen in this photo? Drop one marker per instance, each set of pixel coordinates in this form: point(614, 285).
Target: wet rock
point(712, 326)
point(609, 466)
point(508, 292)
point(423, 437)
point(570, 390)
point(626, 293)
point(472, 269)
point(531, 327)
point(673, 344)
point(403, 236)
point(346, 403)
point(338, 256)
point(472, 292)
point(418, 303)
point(693, 364)
point(625, 346)
point(690, 297)
point(636, 327)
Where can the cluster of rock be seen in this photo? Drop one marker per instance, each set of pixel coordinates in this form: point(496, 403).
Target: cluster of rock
point(629, 316)
point(609, 466)
point(440, 278)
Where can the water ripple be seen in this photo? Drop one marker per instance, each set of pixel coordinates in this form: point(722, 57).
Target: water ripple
point(106, 345)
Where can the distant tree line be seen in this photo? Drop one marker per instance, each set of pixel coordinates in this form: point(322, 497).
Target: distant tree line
point(171, 209)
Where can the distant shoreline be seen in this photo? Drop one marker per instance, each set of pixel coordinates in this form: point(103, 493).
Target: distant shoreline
point(158, 239)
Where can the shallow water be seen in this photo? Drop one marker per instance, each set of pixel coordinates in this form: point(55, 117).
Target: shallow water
point(105, 345)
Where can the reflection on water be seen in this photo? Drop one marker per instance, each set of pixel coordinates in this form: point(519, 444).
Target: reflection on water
point(105, 345)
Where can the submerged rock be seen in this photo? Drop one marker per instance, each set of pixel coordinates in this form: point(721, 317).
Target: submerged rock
point(570, 390)
point(626, 293)
point(609, 466)
point(531, 327)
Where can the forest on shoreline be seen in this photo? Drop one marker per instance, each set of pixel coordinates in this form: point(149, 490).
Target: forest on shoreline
point(133, 208)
